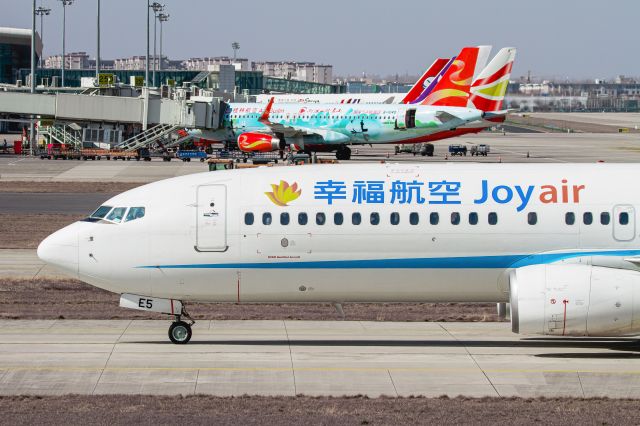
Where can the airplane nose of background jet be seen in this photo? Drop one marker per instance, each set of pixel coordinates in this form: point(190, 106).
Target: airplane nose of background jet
point(60, 249)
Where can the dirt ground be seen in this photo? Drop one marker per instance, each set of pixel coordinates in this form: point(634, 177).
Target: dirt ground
point(72, 299)
point(79, 187)
point(301, 410)
point(28, 230)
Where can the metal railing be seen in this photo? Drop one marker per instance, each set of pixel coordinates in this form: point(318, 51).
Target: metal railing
point(146, 138)
point(62, 135)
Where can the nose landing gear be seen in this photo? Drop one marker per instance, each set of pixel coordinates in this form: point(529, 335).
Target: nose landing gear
point(180, 331)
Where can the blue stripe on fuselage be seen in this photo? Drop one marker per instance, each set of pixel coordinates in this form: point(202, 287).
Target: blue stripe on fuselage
point(465, 262)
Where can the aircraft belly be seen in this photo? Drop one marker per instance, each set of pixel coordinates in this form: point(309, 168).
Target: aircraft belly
point(370, 285)
point(196, 284)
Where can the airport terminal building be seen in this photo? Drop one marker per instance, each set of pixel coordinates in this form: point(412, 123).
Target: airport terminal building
point(15, 49)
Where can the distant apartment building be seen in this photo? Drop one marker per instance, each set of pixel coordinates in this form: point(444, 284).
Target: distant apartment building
point(139, 63)
point(213, 63)
point(73, 61)
point(304, 71)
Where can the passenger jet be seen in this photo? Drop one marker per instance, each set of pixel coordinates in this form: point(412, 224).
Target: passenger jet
point(559, 242)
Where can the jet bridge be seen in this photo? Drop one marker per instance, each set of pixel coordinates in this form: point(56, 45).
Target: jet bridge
point(181, 110)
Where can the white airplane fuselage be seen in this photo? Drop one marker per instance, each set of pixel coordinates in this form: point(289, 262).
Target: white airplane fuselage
point(341, 124)
point(370, 235)
point(334, 98)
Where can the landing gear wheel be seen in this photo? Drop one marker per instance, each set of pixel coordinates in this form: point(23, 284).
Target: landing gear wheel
point(343, 153)
point(180, 332)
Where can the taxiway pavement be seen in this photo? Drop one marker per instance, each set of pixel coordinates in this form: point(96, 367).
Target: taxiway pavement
point(311, 358)
point(511, 147)
point(25, 264)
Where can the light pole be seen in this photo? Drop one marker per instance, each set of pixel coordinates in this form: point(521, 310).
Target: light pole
point(146, 68)
point(235, 46)
point(32, 136)
point(65, 3)
point(41, 11)
point(98, 45)
point(163, 17)
point(157, 8)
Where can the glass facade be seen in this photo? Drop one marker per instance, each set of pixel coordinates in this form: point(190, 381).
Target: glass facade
point(13, 57)
point(253, 82)
point(73, 77)
point(272, 84)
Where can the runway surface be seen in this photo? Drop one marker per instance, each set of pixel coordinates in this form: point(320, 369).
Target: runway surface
point(59, 202)
point(311, 358)
point(25, 264)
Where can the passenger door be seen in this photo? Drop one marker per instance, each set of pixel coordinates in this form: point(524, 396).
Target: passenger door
point(211, 222)
point(624, 222)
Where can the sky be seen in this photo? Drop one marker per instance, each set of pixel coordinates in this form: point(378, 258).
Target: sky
point(572, 39)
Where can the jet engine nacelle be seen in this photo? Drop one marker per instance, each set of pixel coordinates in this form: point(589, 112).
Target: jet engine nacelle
point(258, 142)
point(575, 300)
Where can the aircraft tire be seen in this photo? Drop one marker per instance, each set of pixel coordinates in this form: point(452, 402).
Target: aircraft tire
point(343, 153)
point(180, 333)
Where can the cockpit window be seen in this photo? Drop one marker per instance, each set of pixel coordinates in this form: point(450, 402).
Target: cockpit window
point(100, 212)
point(117, 214)
point(134, 213)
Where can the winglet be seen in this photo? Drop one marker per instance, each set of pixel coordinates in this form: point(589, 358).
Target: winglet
point(265, 115)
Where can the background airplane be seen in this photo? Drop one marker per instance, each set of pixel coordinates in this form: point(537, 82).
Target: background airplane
point(331, 127)
point(417, 93)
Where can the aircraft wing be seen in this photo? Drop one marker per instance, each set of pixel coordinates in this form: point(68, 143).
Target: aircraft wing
point(293, 132)
point(286, 130)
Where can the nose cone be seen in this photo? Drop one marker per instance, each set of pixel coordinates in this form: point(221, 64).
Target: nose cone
point(60, 249)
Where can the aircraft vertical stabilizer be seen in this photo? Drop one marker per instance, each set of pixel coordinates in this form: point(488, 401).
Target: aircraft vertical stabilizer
point(424, 81)
point(454, 87)
point(489, 89)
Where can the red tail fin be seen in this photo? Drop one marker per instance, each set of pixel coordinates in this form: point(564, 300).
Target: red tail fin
point(417, 88)
point(265, 115)
point(489, 89)
point(453, 89)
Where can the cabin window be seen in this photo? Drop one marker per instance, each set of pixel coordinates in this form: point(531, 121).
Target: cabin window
point(414, 218)
point(338, 218)
point(434, 218)
point(321, 219)
point(374, 218)
point(455, 218)
point(493, 218)
point(266, 218)
point(532, 218)
point(356, 219)
point(395, 218)
point(134, 213)
point(473, 218)
point(101, 212)
point(587, 218)
point(284, 218)
point(117, 214)
point(570, 218)
point(302, 218)
point(623, 218)
point(248, 218)
point(605, 218)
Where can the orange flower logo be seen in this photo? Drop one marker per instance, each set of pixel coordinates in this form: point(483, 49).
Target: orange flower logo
point(283, 193)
